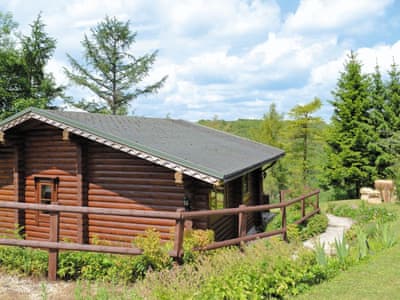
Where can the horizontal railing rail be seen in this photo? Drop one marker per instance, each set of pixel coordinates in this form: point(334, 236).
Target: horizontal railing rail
point(54, 245)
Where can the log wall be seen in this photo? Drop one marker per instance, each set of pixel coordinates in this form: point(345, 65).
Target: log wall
point(119, 180)
point(47, 155)
point(7, 189)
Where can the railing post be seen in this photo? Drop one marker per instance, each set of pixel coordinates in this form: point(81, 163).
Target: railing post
point(303, 207)
point(53, 253)
point(284, 233)
point(281, 196)
point(242, 223)
point(179, 230)
point(317, 203)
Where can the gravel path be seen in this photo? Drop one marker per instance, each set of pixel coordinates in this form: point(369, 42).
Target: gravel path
point(21, 288)
point(337, 226)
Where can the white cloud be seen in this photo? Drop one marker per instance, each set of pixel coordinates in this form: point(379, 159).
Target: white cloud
point(317, 15)
point(228, 57)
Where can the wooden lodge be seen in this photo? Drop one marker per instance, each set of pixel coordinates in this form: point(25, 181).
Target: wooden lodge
point(118, 162)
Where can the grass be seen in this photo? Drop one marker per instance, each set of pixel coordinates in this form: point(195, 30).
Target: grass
point(375, 278)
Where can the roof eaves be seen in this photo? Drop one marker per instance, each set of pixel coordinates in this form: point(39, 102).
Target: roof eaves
point(239, 173)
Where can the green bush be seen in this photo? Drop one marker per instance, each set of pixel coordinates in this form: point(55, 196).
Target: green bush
point(155, 251)
point(266, 269)
point(313, 226)
point(23, 260)
point(362, 213)
point(195, 239)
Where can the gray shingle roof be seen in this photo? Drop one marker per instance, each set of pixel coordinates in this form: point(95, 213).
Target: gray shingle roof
point(206, 150)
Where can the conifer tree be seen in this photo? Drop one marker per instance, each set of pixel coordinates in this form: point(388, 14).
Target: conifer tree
point(350, 165)
point(380, 120)
point(304, 138)
point(110, 71)
point(270, 132)
point(393, 95)
point(23, 80)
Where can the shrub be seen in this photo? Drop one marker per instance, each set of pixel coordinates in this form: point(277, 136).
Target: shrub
point(315, 225)
point(195, 239)
point(24, 260)
point(363, 213)
point(155, 251)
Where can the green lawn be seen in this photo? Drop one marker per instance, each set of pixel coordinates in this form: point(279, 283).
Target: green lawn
point(376, 278)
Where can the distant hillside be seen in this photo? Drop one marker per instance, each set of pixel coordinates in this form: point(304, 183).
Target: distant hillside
point(240, 127)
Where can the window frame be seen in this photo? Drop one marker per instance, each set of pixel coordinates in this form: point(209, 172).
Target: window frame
point(213, 197)
point(246, 189)
point(46, 181)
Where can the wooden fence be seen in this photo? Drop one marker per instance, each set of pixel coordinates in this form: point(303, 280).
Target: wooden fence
point(54, 245)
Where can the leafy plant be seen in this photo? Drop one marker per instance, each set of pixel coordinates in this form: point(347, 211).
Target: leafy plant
point(195, 239)
point(342, 250)
point(294, 233)
point(386, 235)
point(154, 250)
point(362, 243)
point(320, 254)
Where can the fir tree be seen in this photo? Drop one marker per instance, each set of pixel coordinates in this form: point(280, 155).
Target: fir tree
point(393, 96)
point(110, 71)
point(350, 164)
point(380, 120)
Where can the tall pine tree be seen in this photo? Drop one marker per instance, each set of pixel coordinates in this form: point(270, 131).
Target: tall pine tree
point(380, 120)
point(393, 95)
point(350, 164)
point(110, 71)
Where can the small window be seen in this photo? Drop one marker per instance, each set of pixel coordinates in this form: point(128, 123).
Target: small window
point(245, 189)
point(46, 193)
point(46, 190)
point(217, 199)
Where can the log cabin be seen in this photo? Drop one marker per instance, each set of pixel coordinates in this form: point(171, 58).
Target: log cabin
point(105, 161)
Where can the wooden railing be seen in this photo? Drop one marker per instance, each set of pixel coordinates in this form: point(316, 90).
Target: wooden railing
point(54, 245)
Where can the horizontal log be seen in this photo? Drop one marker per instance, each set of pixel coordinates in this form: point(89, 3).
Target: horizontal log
point(7, 192)
point(119, 230)
point(131, 220)
point(136, 187)
point(132, 180)
point(71, 246)
point(238, 240)
point(92, 210)
point(308, 216)
point(134, 206)
point(255, 208)
point(137, 200)
point(147, 173)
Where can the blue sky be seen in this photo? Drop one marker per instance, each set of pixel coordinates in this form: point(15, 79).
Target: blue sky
point(229, 58)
